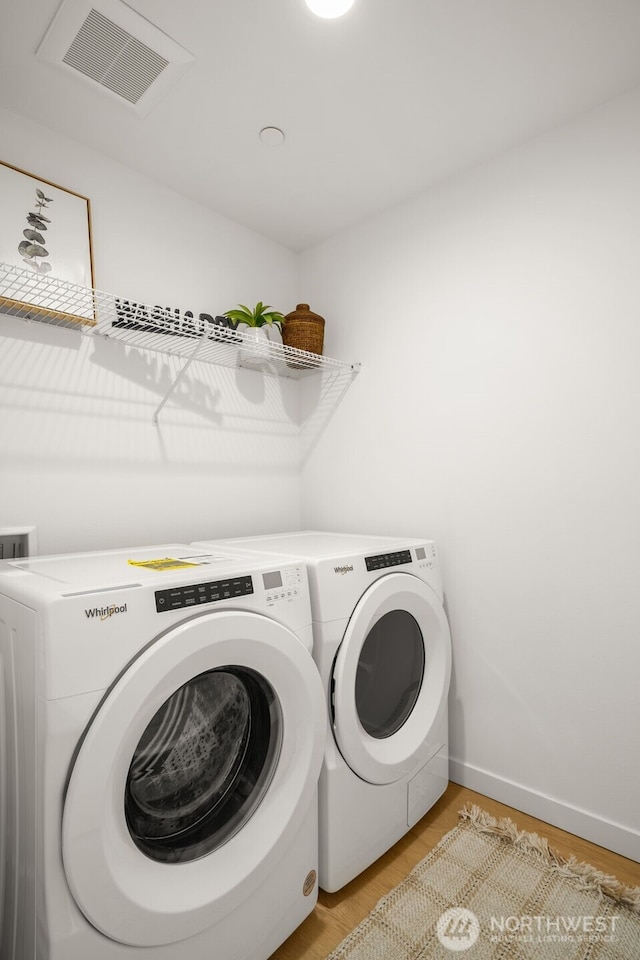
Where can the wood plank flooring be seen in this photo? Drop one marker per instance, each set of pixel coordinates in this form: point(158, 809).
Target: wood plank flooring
point(336, 914)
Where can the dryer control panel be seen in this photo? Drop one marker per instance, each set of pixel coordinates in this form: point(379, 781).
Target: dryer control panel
point(382, 560)
point(192, 595)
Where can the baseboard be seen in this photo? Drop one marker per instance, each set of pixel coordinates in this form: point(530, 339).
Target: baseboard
point(605, 833)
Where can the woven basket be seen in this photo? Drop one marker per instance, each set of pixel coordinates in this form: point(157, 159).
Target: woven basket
point(303, 330)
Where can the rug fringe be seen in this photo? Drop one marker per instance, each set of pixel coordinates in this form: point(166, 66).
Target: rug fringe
point(588, 876)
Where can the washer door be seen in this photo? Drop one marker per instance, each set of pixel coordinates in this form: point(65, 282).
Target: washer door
point(391, 679)
point(193, 776)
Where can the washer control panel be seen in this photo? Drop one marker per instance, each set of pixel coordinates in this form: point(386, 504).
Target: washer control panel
point(282, 585)
point(194, 594)
point(383, 560)
point(427, 556)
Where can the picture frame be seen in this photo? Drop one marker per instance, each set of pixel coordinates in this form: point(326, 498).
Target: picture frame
point(46, 250)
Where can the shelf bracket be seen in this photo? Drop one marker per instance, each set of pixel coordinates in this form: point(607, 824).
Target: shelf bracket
point(178, 379)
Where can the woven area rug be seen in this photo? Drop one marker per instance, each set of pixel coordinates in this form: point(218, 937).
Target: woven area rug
point(489, 891)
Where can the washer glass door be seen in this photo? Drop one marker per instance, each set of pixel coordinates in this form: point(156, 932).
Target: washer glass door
point(391, 679)
point(193, 777)
point(203, 764)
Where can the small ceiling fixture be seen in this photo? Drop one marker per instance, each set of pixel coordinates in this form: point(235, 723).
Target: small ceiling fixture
point(328, 9)
point(273, 136)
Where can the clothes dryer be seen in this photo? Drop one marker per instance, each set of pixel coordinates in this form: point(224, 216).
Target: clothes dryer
point(161, 735)
point(383, 649)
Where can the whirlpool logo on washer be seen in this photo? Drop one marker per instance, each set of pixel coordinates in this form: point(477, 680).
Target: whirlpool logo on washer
point(347, 568)
point(103, 613)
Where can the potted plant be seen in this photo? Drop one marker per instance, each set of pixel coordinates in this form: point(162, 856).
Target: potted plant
point(261, 315)
point(258, 322)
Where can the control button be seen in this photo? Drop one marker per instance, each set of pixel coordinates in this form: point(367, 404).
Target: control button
point(176, 598)
point(382, 560)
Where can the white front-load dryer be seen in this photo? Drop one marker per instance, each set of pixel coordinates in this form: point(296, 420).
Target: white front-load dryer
point(383, 648)
point(161, 736)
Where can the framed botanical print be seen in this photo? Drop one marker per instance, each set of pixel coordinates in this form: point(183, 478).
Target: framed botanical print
point(46, 257)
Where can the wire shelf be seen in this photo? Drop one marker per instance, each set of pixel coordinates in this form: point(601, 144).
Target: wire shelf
point(35, 296)
point(51, 300)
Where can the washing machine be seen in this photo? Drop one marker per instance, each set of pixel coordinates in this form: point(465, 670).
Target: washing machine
point(162, 727)
point(383, 648)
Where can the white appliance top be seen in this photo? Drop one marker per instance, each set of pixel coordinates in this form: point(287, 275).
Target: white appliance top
point(316, 544)
point(82, 572)
point(341, 566)
point(99, 610)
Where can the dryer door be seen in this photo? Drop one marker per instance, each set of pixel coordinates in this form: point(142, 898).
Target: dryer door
point(192, 777)
point(391, 679)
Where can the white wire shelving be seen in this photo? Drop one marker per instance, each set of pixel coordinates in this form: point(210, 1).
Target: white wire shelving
point(47, 299)
point(34, 296)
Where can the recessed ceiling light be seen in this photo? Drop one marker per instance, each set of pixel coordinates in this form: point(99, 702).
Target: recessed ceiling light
point(328, 9)
point(273, 136)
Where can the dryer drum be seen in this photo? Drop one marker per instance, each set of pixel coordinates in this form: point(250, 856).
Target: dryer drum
point(202, 764)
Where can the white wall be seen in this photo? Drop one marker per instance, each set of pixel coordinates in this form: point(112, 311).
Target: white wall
point(79, 455)
point(498, 411)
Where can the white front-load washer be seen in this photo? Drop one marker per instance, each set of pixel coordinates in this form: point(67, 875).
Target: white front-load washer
point(383, 648)
point(162, 726)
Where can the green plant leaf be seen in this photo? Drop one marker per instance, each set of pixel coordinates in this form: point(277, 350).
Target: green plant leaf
point(258, 317)
point(273, 317)
point(241, 316)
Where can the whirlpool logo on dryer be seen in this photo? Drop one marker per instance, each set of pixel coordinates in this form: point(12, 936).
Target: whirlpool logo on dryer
point(347, 568)
point(103, 613)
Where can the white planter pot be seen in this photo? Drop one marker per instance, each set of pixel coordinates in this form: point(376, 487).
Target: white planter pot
point(254, 350)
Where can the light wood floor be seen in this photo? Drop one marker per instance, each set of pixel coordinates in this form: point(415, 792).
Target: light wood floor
point(336, 914)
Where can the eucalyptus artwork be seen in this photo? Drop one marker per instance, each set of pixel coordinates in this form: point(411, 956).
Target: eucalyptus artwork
point(32, 249)
point(38, 280)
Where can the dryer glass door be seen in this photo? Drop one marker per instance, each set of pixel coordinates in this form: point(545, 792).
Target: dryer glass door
point(391, 679)
point(203, 764)
point(389, 674)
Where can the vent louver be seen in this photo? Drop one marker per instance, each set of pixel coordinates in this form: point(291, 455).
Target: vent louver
point(109, 44)
point(108, 54)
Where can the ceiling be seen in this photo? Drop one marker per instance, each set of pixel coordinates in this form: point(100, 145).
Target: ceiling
point(376, 107)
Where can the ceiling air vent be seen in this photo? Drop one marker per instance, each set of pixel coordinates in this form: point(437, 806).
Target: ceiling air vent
point(109, 44)
point(105, 52)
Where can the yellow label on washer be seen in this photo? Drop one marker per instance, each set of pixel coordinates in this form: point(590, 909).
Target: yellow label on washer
point(166, 563)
